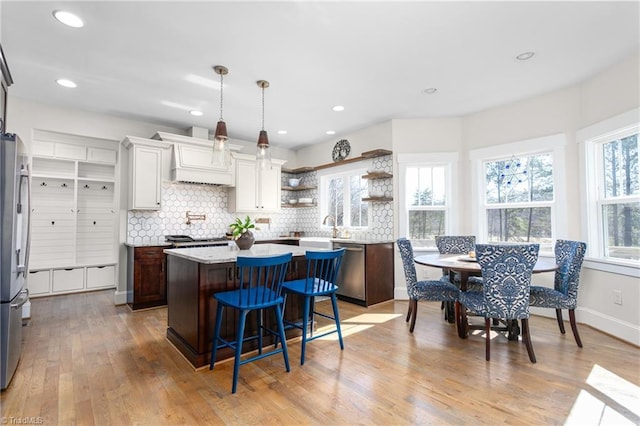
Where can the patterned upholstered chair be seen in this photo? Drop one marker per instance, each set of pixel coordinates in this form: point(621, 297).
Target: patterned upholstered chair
point(430, 290)
point(506, 271)
point(456, 244)
point(564, 295)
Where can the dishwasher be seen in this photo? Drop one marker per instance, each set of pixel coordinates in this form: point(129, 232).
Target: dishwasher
point(351, 275)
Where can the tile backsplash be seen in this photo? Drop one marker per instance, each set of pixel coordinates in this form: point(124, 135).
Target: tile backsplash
point(144, 227)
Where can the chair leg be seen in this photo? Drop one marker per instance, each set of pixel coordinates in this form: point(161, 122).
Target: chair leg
point(414, 314)
point(259, 324)
point(574, 327)
point(240, 337)
point(216, 335)
point(560, 321)
point(336, 316)
point(305, 324)
point(285, 353)
point(487, 330)
point(410, 309)
point(526, 336)
point(462, 322)
point(284, 303)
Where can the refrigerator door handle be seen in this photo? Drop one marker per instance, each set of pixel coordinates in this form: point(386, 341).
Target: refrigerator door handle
point(25, 299)
point(24, 176)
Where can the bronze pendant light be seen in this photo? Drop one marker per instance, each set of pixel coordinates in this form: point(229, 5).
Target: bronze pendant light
point(263, 154)
point(221, 152)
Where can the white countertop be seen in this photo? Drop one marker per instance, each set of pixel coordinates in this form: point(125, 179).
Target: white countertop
point(229, 253)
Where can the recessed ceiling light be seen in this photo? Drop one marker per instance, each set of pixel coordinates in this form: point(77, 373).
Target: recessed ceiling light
point(525, 56)
point(282, 132)
point(430, 90)
point(338, 108)
point(68, 18)
point(330, 132)
point(66, 83)
point(196, 113)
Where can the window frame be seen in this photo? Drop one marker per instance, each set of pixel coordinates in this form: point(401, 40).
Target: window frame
point(589, 140)
point(553, 144)
point(345, 171)
point(447, 159)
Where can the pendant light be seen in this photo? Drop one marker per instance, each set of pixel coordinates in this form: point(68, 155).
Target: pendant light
point(263, 155)
point(221, 152)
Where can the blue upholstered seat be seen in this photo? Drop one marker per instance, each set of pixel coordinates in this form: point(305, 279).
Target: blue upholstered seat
point(429, 290)
point(506, 272)
point(458, 244)
point(564, 295)
point(260, 287)
point(322, 272)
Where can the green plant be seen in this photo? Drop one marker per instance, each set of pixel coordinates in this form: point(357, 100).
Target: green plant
point(239, 227)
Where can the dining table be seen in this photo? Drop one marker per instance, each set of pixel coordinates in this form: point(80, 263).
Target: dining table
point(466, 266)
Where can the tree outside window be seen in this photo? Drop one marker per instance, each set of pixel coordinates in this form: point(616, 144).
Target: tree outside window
point(426, 198)
point(343, 194)
point(519, 197)
point(619, 197)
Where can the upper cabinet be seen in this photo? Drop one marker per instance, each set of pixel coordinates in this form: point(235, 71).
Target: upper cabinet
point(255, 190)
point(145, 172)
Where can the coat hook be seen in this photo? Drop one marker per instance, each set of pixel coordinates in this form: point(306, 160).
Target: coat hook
point(104, 187)
point(64, 185)
point(53, 222)
point(43, 184)
point(94, 222)
point(86, 187)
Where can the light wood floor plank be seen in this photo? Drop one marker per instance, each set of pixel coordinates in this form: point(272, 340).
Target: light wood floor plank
point(87, 362)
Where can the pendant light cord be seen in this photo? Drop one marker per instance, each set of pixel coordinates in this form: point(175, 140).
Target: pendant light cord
point(221, 95)
point(263, 107)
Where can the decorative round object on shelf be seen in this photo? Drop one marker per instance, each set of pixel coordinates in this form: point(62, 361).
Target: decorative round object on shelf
point(341, 150)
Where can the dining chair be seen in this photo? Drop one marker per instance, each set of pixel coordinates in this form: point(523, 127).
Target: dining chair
point(564, 295)
point(456, 244)
point(260, 282)
point(506, 272)
point(427, 290)
point(320, 280)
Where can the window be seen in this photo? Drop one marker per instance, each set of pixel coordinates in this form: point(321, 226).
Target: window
point(519, 199)
point(615, 197)
point(425, 197)
point(519, 192)
point(341, 198)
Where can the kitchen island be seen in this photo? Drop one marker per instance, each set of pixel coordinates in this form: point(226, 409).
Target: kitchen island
point(194, 275)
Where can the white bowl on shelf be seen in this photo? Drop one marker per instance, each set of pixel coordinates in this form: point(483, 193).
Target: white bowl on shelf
point(294, 182)
point(293, 201)
point(305, 200)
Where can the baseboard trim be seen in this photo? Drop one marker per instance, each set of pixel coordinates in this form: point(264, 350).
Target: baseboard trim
point(120, 297)
point(613, 326)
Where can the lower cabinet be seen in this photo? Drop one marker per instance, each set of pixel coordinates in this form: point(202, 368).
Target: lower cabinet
point(51, 281)
point(146, 277)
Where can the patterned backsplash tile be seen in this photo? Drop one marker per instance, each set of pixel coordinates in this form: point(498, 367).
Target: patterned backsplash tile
point(144, 227)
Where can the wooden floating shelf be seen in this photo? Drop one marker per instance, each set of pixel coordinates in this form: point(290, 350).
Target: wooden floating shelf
point(364, 156)
point(297, 205)
point(380, 175)
point(377, 199)
point(298, 188)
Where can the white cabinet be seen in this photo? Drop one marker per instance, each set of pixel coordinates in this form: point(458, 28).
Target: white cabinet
point(74, 205)
point(145, 173)
point(255, 190)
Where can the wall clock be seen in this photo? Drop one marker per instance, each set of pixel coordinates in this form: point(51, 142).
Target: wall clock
point(341, 150)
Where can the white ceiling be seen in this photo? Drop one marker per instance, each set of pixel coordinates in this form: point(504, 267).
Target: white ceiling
point(139, 60)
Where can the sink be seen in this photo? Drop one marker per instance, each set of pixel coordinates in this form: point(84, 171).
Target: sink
point(316, 242)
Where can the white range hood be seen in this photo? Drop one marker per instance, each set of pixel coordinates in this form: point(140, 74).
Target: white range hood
point(192, 161)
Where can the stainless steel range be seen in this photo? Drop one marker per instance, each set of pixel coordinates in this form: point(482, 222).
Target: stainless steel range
point(183, 241)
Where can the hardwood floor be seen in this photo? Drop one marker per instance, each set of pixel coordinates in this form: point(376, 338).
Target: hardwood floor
point(88, 362)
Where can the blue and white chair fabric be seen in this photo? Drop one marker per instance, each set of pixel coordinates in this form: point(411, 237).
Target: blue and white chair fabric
point(506, 272)
point(458, 244)
point(320, 280)
point(260, 282)
point(428, 290)
point(564, 295)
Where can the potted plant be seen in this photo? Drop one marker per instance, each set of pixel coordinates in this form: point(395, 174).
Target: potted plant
point(241, 232)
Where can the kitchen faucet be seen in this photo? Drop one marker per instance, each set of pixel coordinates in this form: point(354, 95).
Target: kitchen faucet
point(335, 229)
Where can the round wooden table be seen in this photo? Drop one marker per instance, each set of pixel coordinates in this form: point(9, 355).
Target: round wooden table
point(467, 267)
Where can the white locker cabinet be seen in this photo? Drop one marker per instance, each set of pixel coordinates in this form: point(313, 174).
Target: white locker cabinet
point(101, 276)
point(72, 152)
point(38, 282)
point(68, 279)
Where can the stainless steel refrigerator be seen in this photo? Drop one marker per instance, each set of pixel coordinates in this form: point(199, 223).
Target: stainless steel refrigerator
point(15, 212)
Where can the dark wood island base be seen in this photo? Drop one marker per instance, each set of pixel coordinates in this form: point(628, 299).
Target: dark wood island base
point(192, 309)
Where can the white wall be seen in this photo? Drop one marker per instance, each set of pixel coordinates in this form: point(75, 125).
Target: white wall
point(614, 91)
